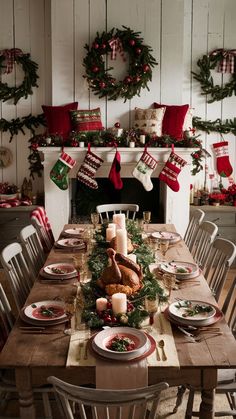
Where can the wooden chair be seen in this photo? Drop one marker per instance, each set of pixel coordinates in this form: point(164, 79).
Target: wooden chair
point(7, 379)
point(107, 210)
point(202, 242)
point(18, 272)
point(226, 381)
point(222, 255)
point(32, 248)
point(41, 223)
point(105, 401)
point(192, 229)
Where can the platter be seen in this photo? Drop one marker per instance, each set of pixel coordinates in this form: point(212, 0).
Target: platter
point(71, 243)
point(168, 235)
point(72, 232)
point(103, 340)
point(48, 311)
point(182, 270)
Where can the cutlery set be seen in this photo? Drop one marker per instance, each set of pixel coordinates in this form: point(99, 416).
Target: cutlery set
point(38, 330)
point(200, 334)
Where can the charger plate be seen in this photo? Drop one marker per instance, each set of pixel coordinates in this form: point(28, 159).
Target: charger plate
point(70, 243)
point(178, 267)
point(73, 232)
point(168, 235)
point(31, 313)
point(182, 322)
point(179, 310)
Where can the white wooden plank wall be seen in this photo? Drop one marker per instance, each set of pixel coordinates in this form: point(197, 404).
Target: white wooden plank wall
point(55, 32)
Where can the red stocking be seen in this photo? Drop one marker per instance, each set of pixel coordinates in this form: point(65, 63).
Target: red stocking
point(171, 170)
point(114, 174)
point(223, 165)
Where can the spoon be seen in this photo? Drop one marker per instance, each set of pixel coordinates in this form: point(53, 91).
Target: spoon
point(161, 345)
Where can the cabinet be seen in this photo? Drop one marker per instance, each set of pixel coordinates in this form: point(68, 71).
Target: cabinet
point(224, 217)
point(12, 220)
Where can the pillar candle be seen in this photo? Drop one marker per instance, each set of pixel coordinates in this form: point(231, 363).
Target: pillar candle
point(119, 303)
point(81, 144)
point(113, 226)
point(101, 304)
point(132, 144)
point(119, 220)
point(142, 139)
point(110, 233)
point(132, 257)
point(121, 241)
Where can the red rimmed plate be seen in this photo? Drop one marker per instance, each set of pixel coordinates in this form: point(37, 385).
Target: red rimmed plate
point(181, 322)
point(150, 349)
point(168, 235)
point(72, 232)
point(70, 243)
point(33, 313)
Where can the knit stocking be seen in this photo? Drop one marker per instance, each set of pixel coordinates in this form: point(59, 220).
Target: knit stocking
point(144, 169)
point(114, 174)
point(171, 171)
point(223, 165)
point(60, 170)
point(88, 169)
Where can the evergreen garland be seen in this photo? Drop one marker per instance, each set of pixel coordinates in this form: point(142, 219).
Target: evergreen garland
point(140, 62)
point(17, 125)
point(30, 78)
point(216, 92)
point(229, 126)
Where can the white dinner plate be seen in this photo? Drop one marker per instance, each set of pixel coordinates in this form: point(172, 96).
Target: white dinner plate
point(71, 232)
point(168, 235)
point(179, 310)
point(60, 270)
point(70, 243)
point(102, 339)
point(182, 270)
point(54, 311)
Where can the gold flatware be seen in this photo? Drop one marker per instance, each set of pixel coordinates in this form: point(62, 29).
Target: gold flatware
point(161, 345)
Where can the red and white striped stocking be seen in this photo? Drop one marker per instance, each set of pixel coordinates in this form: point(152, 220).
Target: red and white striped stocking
point(88, 169)
point(171, 171)
point(223, 165)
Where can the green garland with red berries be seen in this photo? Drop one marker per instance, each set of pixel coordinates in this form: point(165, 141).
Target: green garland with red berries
point(141, 61)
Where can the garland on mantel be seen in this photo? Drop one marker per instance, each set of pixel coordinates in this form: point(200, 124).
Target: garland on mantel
point(229, 126)
point(107, 139)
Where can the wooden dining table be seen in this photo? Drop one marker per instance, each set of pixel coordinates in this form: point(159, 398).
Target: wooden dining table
point(34, 357)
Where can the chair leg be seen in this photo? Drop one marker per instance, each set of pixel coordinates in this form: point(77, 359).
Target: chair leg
point(189, 408)
point(179, 397)
point(47, 406)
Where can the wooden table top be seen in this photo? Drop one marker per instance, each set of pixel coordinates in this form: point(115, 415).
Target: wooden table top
point(49, 351)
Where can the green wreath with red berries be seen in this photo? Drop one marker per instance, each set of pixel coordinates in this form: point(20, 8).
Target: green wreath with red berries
point(140, 60)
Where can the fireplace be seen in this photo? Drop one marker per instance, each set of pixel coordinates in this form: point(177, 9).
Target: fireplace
point(170, 207)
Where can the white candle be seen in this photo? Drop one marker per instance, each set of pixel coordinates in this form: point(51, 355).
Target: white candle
point(142, 139)
point(110, 233)
point(132, 257)
point(101, 304)
point(119, 132)
point(132, 144)
point(121, 241)
point(81, 144)
point(119, 303)
point(119, 220)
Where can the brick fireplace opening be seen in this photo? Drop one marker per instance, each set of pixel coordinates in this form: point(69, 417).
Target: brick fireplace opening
point(84, 200)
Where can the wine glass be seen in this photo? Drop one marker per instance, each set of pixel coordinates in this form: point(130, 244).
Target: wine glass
point(147, 217)
point(169, 281)
point(95, 219)
point(80, 265)
point(151, 305)
point(70, 307)
point(164, 246)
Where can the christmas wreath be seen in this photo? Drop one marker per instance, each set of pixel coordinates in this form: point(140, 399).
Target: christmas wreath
point(224, 61)
point(116, 41)
point(7, 59)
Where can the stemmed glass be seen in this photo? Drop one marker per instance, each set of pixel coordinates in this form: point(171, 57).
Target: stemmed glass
point(70, 307)
point(79, 263)
point(164, 246)
point(95, 219)
point(151, 305)
point(147, 217)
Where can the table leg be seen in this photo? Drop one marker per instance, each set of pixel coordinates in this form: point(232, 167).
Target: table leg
point(209, 382)
point(24, 387)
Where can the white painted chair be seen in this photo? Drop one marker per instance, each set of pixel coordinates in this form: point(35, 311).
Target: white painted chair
point(226, 380)
point(107, 210)
point(7, 378)
point(222, 255)
point(192, 229)
point(18, 272)
point(140, 400)
point(41, 223)
point(32, 248)
point(202, 242)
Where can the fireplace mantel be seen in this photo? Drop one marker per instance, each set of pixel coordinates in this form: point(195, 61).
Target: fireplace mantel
point(176, 204)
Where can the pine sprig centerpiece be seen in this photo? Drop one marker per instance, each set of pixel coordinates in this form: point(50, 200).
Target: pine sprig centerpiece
point(124, 41)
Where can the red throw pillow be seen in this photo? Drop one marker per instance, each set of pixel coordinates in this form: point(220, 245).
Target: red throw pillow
point(173, 120)
point(58, 119)
point(86, 120)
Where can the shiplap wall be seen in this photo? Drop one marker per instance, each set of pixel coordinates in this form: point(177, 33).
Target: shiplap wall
point(55, 32)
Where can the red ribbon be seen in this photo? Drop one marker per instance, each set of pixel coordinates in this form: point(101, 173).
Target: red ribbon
point(226, 65)
point(116, 46)
point(10, 56)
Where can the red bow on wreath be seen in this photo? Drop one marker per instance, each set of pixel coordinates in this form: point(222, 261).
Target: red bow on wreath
point(226, 65)
point(116, 46)
point(10, 55)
